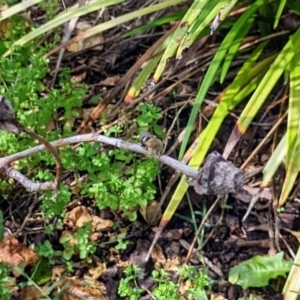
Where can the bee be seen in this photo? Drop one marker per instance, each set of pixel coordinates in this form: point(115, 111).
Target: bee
point(153, 144)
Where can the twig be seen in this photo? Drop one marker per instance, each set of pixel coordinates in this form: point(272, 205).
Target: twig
point(68, 31)
point(28, 184)
point(5, 161)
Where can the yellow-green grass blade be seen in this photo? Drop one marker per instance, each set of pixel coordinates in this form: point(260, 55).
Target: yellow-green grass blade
point(13, 10)
point(293, 124)
point(230, 99)
point(214, 67)
point(281, 6)
point(255, 76)
point(293, 130)
point(274, 162)
point(292, 283)
point(181, 31)
point(194, 11)
point(263, 90)
point(207, 136)
point(206, 16)
point(227, 9)
point(146, 71)
point(143, 76)
point(291, 173)
point(203, 21)
point(180, 191)
point(246, 90)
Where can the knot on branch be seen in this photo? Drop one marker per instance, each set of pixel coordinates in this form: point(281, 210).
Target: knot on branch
point(217, 177)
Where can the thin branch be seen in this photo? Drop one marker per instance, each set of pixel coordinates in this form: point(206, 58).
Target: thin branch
point(94, 137)
point(28, 184)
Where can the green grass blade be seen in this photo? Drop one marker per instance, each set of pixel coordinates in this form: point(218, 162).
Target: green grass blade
point(13, 10)
point(179, 34)
point(274, 162)
point(293, 130)
point(293, 123)
point(227, 9)
point(213, 69)
point(281, 6)
point(255, 76)
point(207, 136)
point(217, 10)
point(230, 99)
point(147, 70)
point(206, 16)
point(292, 283)
point(143, 76)
point(263, 90)
point(291, 173)
point(263, 20)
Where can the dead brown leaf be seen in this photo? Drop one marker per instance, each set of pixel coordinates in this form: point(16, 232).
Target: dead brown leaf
point(172, 264)
point(174, 234)
point(15, 253)
point(101, 224)
point(68, 237)
point(97, 271)
point(57, 272)
point(184, 286)
point(96, 236)
point(110, 81)
point(149, 212)
point(84, 290)
point(80, 215)
point(77, 217)
point(78, 78)
point(30, 293)
point(94, 42)
point(158, 256)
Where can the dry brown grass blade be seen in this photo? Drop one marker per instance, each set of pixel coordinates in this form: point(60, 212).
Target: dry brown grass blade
point(69, 29)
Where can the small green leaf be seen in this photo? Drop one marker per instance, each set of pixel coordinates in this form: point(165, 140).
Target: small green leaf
point(257, 271)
